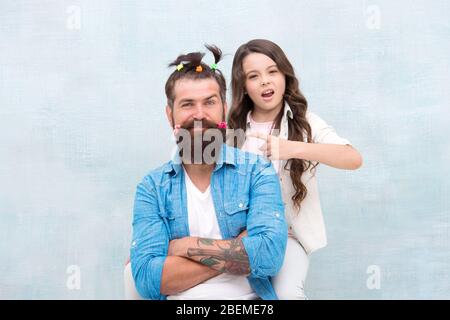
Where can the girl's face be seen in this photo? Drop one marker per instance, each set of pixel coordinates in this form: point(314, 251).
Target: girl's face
point(264, 83)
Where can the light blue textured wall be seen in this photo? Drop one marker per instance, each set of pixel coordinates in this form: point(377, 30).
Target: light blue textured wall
point(82, 121)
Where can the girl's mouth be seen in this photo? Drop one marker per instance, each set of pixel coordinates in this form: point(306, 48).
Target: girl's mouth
point(267, 94)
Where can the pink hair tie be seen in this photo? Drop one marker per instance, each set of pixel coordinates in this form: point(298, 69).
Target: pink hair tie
point(176, 129)
point(222, 125)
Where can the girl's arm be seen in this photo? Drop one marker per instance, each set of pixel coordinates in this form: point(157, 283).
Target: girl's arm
point(333, 155)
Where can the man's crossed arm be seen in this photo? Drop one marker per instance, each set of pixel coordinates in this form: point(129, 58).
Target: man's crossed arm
point(193, 260)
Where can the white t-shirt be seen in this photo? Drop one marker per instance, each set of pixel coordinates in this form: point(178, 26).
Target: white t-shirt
point(253, 144)
point(203, 223)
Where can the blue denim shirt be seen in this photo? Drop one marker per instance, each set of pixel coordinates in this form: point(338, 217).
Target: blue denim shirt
point(246, 195)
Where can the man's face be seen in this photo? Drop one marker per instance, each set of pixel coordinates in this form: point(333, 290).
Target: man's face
point(197, 108)
point(196, 100)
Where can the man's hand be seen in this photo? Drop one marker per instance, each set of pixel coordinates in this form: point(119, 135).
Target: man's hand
point(178, 247)
point(174, 247)
point(242, 234)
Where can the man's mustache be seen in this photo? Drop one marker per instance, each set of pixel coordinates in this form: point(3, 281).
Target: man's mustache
point(202, 146)
point(191, 124)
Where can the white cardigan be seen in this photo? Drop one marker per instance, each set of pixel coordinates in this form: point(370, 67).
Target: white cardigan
point(306, 224)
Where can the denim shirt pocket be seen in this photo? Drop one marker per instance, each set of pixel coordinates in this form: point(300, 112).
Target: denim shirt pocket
point(173, 223)
point(236, 215)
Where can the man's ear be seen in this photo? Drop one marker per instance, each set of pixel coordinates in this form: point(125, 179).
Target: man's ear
point(169, 114)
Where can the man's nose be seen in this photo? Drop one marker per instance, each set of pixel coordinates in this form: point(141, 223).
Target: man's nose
point(199, 113)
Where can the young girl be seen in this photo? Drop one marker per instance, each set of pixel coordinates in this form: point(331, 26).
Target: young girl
point(268, 105)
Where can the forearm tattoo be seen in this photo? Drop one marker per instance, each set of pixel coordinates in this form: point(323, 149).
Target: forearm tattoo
point(227, 256)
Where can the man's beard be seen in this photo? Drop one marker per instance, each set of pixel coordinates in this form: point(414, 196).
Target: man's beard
point(200, 146)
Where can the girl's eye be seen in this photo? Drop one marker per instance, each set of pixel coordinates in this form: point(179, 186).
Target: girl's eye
point(253, 76)
point(273, 71)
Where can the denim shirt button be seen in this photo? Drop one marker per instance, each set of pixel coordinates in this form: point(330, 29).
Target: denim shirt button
point(241, 205)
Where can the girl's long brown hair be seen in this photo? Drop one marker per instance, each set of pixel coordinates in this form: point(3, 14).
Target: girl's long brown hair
point(297, 126)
